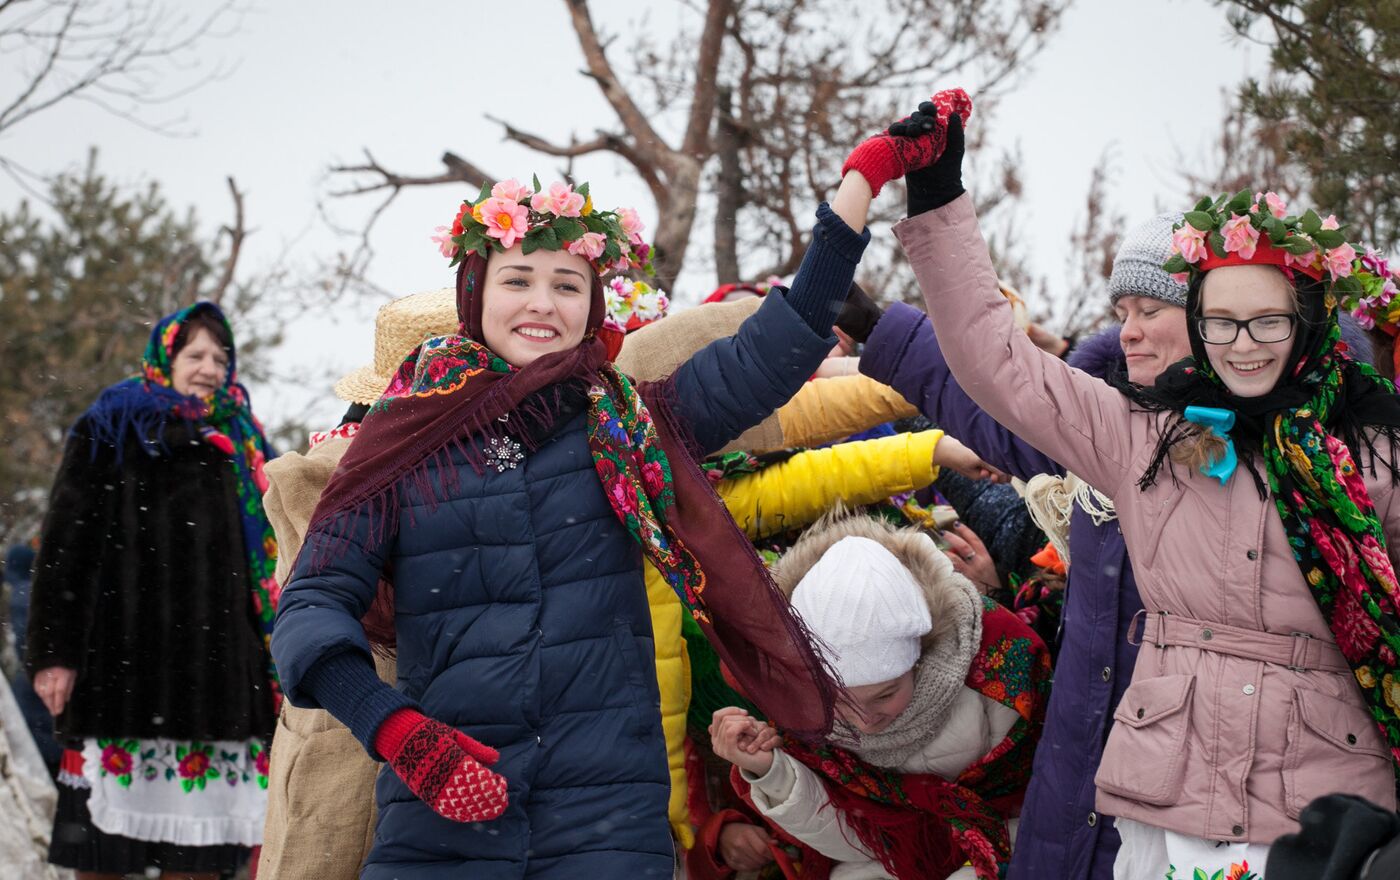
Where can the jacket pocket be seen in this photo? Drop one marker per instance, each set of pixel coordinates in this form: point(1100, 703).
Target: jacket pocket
point(1330, 741)
point(1156, 513)
point(642, 689)
point(1145, 758)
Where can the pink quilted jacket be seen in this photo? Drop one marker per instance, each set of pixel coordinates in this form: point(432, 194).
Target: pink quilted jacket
point(1241, 708)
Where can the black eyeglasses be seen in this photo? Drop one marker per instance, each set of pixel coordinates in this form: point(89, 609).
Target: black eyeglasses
point(1263, 329)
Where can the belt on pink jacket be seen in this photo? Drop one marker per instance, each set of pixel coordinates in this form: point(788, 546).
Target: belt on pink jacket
point(1298, 651)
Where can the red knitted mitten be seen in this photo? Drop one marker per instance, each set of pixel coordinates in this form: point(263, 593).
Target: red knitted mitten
point(442, 766)
point(884, 157)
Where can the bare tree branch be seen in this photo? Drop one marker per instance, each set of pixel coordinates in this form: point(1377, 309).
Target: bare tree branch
point(648, 141)
point(236, 233)
point(702, 105)
point(116, 56)
point(540, 145)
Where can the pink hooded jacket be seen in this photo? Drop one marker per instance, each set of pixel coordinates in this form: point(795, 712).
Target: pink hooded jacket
point(1241, 709)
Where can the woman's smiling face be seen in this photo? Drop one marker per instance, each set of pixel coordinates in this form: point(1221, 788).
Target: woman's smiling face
point(1247, 367)
point(534, 304)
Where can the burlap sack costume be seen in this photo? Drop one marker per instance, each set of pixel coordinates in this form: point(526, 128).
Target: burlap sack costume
point(320, 805)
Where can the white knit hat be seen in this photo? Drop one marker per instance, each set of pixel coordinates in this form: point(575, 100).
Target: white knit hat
point(866, 607)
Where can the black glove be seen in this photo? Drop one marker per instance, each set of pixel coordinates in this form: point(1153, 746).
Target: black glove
point(939, 183)
point(859, 315)
point(1339, 833)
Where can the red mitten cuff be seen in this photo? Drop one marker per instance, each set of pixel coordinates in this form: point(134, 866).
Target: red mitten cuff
point(884, 157)
point(442, 766)
point(390, 737)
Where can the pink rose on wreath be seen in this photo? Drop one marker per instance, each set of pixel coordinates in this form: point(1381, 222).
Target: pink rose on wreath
point(194, 765)
point(505, 220)
point(1190, 242)
point(1240, 237)
point(631, 223)
point(442, 237)
point(1363, 318)
point(560, 200)
point(1338, 260)
point(1307, 260)
point(511, 190)
point(116, 760)
point(1275, 203)
point(590, 245)
point(1330, 222)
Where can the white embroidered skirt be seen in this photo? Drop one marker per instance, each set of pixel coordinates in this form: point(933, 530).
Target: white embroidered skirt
point(1151, 853)
point(190, 793)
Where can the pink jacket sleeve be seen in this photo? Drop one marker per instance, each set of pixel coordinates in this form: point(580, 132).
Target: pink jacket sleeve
point(1074, 418)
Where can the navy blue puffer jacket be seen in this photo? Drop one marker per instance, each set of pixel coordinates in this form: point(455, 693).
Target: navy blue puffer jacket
point(522, 620)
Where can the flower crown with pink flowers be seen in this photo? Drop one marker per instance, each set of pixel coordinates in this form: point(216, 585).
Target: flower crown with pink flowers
point(1257, 229)
point(632, 304)
point(558, 218)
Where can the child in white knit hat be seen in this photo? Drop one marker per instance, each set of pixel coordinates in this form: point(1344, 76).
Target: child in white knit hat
point(946, 692)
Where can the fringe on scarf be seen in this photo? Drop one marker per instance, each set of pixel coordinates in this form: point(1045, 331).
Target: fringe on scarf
point(1051, 500)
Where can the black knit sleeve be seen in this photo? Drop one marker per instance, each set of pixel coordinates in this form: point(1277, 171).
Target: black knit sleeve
point(999, 516)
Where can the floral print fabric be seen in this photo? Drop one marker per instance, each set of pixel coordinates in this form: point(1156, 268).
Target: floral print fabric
point(187, 792)
point(1338, 541)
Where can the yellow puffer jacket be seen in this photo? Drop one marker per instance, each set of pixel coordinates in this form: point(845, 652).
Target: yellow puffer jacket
point(789, 495)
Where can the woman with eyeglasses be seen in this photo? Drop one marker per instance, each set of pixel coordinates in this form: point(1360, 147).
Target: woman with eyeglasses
point(1255, 484)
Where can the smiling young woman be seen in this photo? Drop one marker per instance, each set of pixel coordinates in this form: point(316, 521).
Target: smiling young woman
point(1271, 603)
point(509, 484)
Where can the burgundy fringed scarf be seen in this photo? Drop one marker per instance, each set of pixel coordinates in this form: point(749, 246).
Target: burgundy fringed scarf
point(479, 399)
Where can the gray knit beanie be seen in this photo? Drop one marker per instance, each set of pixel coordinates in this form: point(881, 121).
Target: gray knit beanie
point(1137, 267)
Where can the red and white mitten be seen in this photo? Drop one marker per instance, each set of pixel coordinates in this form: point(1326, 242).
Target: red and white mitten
point(444, 767)
point(885, 156)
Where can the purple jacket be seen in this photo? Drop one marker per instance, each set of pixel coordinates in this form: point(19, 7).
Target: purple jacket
point(1061, 837)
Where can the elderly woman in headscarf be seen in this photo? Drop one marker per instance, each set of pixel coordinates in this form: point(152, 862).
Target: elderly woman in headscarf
point(151, 609)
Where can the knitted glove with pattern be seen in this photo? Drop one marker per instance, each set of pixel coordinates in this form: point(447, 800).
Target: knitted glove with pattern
point(444, 767)
point(914, 142)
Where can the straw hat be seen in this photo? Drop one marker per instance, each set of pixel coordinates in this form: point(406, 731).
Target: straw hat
point(398, 329)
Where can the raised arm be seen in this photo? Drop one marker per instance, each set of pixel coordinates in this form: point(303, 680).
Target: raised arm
point(798, 491)
point(904, 353)
point(1075, 419)
point(734, 383)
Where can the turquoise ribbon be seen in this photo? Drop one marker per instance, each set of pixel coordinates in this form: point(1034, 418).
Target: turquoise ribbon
point(1219, 422)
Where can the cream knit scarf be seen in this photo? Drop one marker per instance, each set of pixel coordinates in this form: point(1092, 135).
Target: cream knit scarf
point(938, 676)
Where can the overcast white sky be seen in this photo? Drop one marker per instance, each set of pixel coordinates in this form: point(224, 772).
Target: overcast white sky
point(316, 81)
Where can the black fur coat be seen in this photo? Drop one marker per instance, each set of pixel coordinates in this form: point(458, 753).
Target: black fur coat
point(141, 586)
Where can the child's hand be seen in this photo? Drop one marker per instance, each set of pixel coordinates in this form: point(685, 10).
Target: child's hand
point(744, 847)
point(742, 741)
